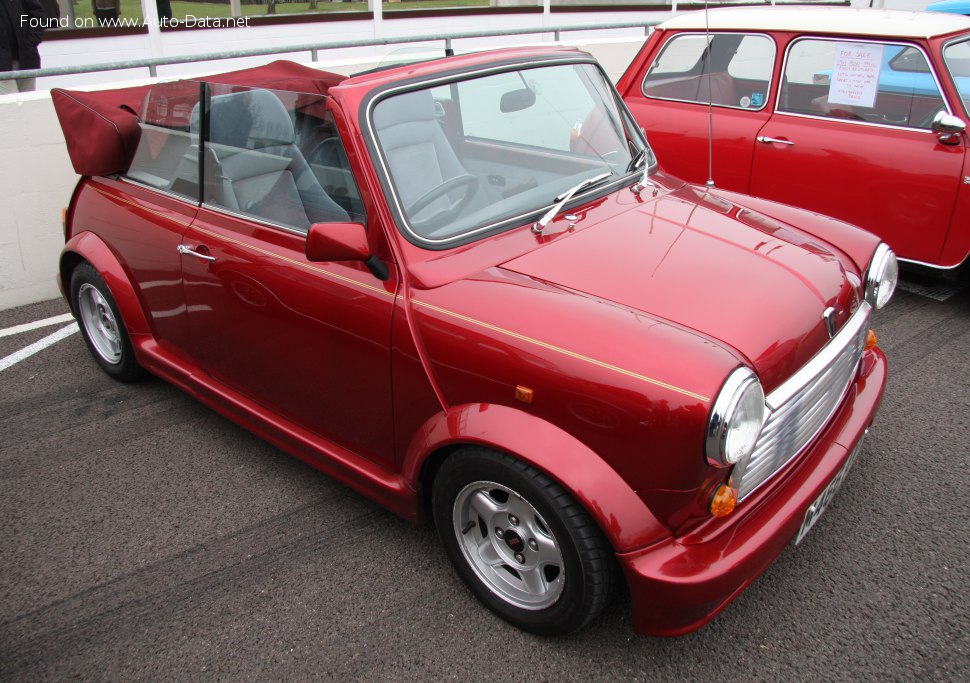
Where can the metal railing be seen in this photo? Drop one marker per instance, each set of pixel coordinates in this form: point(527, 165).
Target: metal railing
point(314, 49)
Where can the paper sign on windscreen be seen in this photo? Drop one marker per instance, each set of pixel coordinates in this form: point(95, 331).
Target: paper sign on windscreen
point(855, 74)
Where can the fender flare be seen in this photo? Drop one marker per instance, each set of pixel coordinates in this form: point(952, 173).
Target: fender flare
point(620, 513)
point(89, 247)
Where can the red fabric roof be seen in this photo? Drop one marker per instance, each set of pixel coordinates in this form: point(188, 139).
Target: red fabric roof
point(101, 127)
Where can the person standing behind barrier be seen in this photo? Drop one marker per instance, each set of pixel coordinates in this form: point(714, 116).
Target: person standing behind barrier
point(19, 38)
point(106, 11)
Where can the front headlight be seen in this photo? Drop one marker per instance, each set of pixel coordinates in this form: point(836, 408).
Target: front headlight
point(736, 419)
point(882, 277)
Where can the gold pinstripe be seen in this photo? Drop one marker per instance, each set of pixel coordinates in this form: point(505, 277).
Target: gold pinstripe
point(301, 264)
point(565, 352)
point(452, 314)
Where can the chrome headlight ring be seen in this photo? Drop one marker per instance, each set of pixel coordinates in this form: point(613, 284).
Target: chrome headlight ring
point(736, 419)
point(882, 276)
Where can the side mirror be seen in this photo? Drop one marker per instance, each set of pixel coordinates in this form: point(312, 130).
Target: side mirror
point(337, 242)
point(343, 242)
point(948, 127)
point(517, 100)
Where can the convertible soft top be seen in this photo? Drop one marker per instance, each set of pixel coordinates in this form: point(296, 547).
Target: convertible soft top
point(101, 127)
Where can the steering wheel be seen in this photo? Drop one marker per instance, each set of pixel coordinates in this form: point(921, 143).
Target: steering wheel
point(466, 182)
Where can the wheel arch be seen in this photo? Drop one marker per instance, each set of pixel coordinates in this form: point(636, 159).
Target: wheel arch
point(621, 515)
point(88, 247)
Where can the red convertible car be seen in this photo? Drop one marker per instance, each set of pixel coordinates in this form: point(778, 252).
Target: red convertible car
point(859, 114)
point(424, 282)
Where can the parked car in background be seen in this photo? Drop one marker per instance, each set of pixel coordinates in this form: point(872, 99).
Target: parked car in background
point(950, 6)
point(857, 114)
point(425, 282)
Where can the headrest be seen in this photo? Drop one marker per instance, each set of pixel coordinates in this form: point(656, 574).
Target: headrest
point(417, 105)
point(249, 119)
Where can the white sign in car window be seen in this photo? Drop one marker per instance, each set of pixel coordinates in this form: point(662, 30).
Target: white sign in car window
point(855, 74)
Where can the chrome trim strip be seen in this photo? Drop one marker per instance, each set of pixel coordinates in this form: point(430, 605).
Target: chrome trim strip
point(184, 198)
point(821, 360)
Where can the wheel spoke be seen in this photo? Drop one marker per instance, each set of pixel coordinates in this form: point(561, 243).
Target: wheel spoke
point(484, 505)
point(533, 581)
point(548, 551)
point(488, 554)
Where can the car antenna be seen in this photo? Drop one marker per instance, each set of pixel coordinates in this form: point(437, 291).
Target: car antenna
point(710, 104)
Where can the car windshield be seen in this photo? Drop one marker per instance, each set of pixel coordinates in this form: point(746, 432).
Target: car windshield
point(957, 58)
point(473, 156)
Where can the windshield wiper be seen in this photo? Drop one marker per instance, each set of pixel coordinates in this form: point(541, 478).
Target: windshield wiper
point(565, 197)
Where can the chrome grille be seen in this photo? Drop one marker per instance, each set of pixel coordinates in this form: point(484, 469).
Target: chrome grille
point(802, 406)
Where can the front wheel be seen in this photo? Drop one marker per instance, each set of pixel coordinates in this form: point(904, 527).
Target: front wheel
point(101, 324)
point(521, 543)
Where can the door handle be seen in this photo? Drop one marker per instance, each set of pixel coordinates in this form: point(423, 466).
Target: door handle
point(182, 249)
point(765, 139)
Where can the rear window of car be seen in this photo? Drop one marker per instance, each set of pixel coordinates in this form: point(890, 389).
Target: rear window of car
point(868, 82)
point(725, 69)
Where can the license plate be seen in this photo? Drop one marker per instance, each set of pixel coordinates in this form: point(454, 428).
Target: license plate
point(816, 509)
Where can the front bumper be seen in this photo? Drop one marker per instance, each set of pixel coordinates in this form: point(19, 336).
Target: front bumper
point(680, 584)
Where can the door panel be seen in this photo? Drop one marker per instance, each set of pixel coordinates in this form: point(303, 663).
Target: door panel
point(308, 341)
point(678, 133)
point(899, 183)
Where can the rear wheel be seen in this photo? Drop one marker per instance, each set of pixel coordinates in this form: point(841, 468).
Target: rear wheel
point(101, 324)
point(521, 543)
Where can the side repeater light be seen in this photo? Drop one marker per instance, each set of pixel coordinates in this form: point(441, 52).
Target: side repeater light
point(871, 340)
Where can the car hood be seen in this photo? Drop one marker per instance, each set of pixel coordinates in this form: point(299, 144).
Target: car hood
point(698, 261)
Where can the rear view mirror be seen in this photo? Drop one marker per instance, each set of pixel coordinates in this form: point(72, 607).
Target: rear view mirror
point(343, 242)
point(948, 127)
point(517, 100)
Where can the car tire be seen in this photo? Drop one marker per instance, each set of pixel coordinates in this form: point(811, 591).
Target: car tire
point(101, 325)
point(521, 543)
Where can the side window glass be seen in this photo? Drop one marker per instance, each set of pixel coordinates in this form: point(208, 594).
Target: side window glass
point(167, 156)
point(727, 69)
point(957, 58)
point(872, 82)
point(256, 163)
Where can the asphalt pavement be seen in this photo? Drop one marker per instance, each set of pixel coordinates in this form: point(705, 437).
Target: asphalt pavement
point(144, 537)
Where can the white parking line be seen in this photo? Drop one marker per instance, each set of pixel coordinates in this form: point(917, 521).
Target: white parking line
point(27, 327)
point(37, 346)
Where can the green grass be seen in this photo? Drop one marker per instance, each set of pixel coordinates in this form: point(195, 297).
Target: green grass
point(132, 8)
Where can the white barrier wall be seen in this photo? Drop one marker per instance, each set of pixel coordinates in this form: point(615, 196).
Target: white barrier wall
point(36, 177)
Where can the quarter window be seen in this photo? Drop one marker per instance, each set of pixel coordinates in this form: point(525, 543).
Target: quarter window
point(880, 83)
point(725, 69)
point(167, 156)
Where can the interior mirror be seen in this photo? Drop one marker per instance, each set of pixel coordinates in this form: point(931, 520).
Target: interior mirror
point(337, 242)
point(343, 242)
point(517, 100)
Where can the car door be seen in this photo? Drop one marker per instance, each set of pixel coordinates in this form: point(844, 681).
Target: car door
point(308, 342)
point(150, 207)
point(699, 86)
point(852, 138)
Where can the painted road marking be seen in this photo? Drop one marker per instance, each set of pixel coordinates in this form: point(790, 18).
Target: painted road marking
point(37, 346)
point(27, 327)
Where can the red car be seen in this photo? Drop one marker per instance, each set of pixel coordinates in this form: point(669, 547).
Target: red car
point(424, 282)
point(858, 114)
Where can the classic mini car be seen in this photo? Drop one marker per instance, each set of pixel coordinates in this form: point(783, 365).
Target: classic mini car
point(424, 282)
point(857, 114)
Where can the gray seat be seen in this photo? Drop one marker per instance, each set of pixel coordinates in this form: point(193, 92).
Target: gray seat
point(256, 167)
point(419, 154)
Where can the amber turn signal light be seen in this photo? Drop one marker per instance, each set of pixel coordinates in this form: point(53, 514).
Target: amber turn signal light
point(723, 501)
point(871, 340)
point(524, 394)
